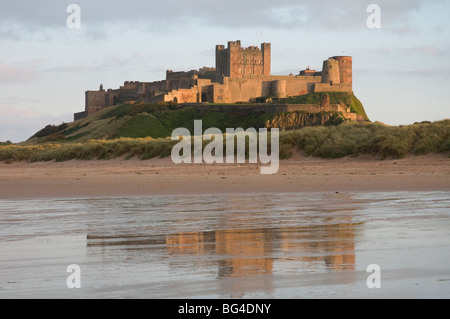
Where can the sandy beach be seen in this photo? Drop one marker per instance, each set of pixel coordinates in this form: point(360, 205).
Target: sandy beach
point(252, 239)
point(122, 177)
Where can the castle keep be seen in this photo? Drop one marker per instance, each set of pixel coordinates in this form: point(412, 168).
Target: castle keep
point(240, 75)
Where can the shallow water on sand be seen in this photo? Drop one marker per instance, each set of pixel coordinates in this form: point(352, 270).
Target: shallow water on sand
point(305, 245)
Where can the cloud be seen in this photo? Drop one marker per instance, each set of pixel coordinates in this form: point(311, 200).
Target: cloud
point(422, 73)
point(17, 74)
point(103, 63)
point(424, 50)
point(28, 17)
point(440, 50)
point(438, 28)
point(435, 73)
point(18, 124)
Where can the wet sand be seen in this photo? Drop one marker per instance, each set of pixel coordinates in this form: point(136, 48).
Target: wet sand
point(134, 177)
point(303, 245)
point(252, 239)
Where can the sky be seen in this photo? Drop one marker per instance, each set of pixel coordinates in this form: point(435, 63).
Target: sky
point(401, 70)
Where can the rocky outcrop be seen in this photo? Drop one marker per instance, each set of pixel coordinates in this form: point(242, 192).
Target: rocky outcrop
point(296, 120)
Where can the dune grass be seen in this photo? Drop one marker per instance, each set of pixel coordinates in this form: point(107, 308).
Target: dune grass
point(353, 139)
point(346, 139)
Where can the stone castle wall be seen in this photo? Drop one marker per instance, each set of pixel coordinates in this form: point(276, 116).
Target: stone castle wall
point(326, 87)
point(248, 88)
point(241, 75)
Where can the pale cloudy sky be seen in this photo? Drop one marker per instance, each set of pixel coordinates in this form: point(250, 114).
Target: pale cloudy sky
point(401, 71)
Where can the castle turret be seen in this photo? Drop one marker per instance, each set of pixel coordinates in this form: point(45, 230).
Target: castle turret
point(345, 68)
point(279, 88)
point(221, 62)
point(265, 49)
point(330, 71)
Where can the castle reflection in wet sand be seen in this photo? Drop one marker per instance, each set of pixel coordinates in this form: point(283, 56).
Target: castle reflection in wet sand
point(263, 245)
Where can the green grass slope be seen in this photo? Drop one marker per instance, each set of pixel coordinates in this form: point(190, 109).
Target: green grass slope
point(143, 130)
point(158, 120)
point(142, 120)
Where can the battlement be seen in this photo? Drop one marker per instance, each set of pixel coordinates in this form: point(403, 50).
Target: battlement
point(170, 73)
point(234, 44)
point(130, 85)
point(251, 48)
point(342, 58)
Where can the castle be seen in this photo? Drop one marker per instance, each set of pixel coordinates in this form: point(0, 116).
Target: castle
point(241, 75)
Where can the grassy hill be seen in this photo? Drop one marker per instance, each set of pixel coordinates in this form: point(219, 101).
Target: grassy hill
point(141, 120)
point(143, 130)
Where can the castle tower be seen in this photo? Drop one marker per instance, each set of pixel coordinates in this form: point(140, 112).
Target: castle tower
point(345, 68)
point(330, 72)
point(279, 88)
point(238, 62)
point(221, 62)
point(234, 59)
point(265, 49)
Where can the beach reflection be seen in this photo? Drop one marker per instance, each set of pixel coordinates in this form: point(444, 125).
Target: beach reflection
point(242, 245)
point(249, 252)
point(265, 246)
